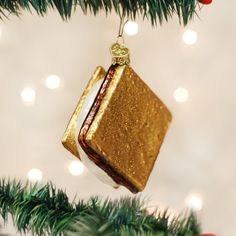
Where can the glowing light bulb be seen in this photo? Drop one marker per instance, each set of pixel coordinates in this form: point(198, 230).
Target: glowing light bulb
point(189, 37)
point(35, 175)
point(53, 82)
point(181, 95)
point(131, 28)
point(194, 202)
point(76, 168)
point(28, 96)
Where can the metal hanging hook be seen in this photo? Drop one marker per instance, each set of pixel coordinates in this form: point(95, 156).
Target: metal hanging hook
point(121, 29)
point(120, 54)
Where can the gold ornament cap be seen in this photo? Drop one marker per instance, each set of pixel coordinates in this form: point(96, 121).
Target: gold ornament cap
point(120, 54)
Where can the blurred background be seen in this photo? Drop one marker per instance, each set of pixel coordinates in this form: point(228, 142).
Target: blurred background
point(45, 64)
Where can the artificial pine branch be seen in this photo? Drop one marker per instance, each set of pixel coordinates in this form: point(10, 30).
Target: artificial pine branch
point(153, 10)
point(47, 211)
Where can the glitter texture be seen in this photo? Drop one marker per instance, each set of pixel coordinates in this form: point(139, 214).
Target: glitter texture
point(125, 133)
point(129, 127)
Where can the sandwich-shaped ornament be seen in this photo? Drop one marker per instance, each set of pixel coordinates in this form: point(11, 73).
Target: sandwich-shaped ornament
point(118, 125)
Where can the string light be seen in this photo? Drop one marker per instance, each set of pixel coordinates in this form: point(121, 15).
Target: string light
point(194, 202)
point(189, 37)
point(53, 82)
point(35, 175)
point(181, 95)
point(28, 96)
point(131, 28)
point(76, 168)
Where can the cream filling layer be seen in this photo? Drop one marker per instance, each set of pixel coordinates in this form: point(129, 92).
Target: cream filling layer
point(90, 165)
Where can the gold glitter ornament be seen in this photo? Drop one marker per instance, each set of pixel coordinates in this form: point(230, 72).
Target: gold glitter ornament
point(118, 125)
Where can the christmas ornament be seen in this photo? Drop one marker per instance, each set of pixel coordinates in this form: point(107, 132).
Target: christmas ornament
point(118, 125)
point(206, 2)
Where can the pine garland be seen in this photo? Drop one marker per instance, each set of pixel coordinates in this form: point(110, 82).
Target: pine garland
point(153, 10)
point(47, 211)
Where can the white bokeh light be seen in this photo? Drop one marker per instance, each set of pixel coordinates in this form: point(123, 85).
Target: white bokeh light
point(189, 37)
point(194, 202)
point(52, 82)
point(76, 168)
point(28, 95)
point(131, 28)
point(35, 175)
point(181, 95)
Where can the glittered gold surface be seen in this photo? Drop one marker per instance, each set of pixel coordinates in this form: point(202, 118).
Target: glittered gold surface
point(129, 127)
point(69, 138)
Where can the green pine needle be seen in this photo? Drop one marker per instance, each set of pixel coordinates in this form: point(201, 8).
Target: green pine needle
point(47, 211)
point(154, 10)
